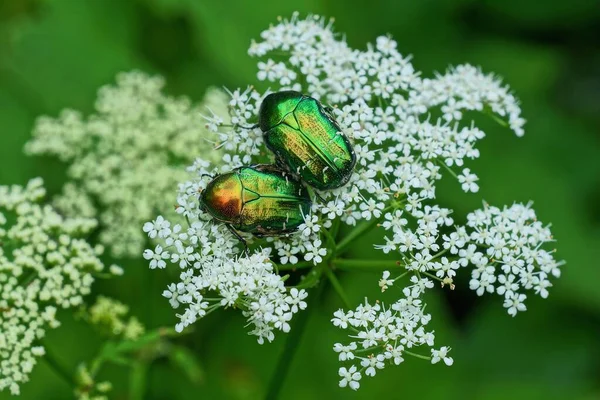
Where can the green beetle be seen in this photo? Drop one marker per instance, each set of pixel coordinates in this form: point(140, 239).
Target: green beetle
point(306, 139)
point(260, 199)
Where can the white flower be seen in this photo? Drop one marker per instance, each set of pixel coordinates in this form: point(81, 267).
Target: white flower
point(394, 353)
point(441, 354)
point(467, 180)
point(173, 292)
point(385, 282)
point(116, 270)
point(310, 226)
point(159, 228)
point(157, 257)
point(287, 254)
point(315, 252)
point(341, 319)
point(296, 299)
point(346, 352)
point(514, 303)
point(350, 377)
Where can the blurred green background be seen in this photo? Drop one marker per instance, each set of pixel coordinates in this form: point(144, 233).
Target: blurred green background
point(55, 54)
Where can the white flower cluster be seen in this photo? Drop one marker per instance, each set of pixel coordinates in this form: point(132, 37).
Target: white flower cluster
point(109, 315)
point(399, 154)
point(387, 111)
point(124, 158)
point(503, 248)
point(506, 251)
point(214, 275)
point(382, 336)
point(44, 266)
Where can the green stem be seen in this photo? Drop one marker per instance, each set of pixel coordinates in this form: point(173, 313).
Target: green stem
point(500, 121)
point(365, 265)
point(291, 346)
point(335, 228)
point(330, 243)
point(355, 234)
point(335, 283)
point(137, 380)
point(443, 164)
point(431, 276)
point(26, 279)
point(96, 364)
point(367, 350)
point(410, 353)
point(58, 368)
point(148, 338)
point(299, 265)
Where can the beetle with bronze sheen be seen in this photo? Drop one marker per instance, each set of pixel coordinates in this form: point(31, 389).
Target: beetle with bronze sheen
point(306, 139)
point(260, 199)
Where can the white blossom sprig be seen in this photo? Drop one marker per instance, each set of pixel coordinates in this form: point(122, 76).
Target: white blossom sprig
point(382, 336)
point(124, 158)
point(45, 265)
point(110, 316)
point(508, 248)
point(213, 273)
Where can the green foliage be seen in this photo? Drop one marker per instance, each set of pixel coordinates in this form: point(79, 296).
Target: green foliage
point(56, 53)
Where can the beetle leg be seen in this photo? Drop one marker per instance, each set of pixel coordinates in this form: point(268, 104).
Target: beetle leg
point(280, 164)
point(249, 127)
point(239, 237)
point(319, 196)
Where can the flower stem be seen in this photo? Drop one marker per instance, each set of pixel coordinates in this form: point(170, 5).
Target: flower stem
point(432, 276)
point(362, 229)
point(335, 283)
point(364, 265)
point(26, 279)
point(410, 353)
point(58, 368)
point(443, 164)
point(487, 110)
point(291, 346)
point(355, 234)
point(137, 380)
point(299, 265)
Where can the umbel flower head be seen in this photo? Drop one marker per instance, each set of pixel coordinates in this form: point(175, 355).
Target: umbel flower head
point(109, 315)
point(45, 265)
point(388, 111)
point(124, 158)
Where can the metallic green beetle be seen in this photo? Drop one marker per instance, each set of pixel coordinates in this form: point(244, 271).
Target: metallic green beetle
point(306, 139)
point(261, 199)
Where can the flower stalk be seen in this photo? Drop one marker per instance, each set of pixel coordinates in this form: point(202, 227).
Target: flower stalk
point(292, 344)
point(351, 264)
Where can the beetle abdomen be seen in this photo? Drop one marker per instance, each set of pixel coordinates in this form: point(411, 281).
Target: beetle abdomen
point(273, 203)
